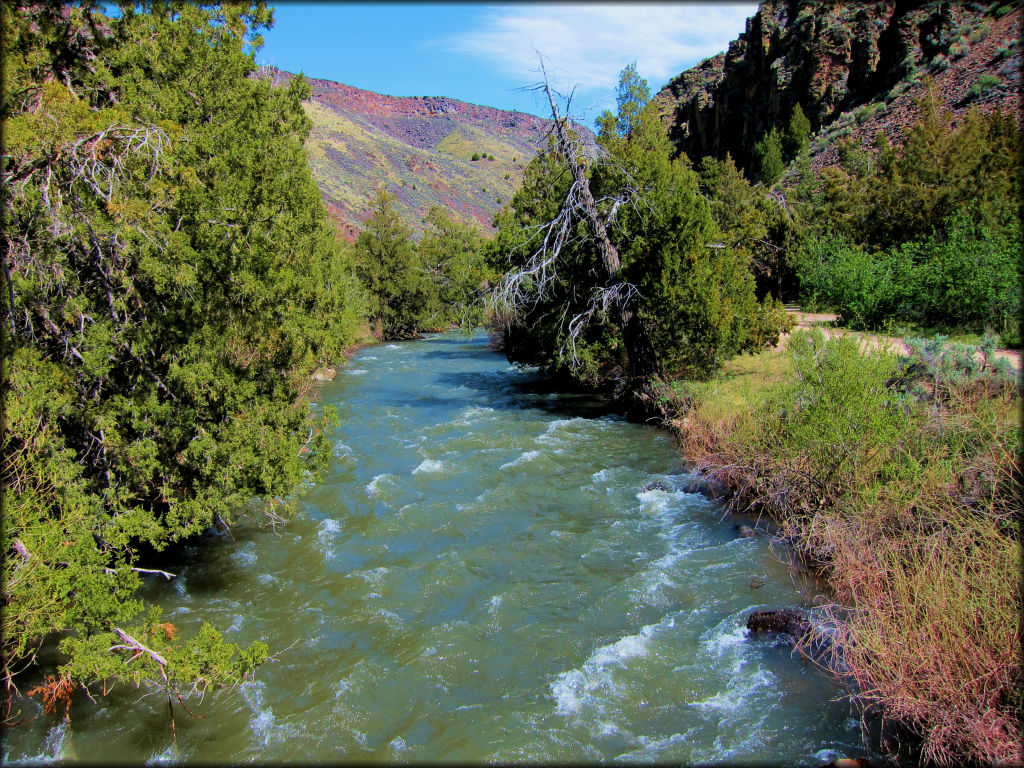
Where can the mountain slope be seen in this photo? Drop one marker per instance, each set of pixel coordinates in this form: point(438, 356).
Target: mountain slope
point(854, 69)
point(420, 148)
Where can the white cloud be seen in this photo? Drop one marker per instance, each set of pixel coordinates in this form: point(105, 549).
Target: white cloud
point(589, 44)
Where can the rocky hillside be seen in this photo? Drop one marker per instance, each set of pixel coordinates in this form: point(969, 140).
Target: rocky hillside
point(426, 150)
point(854, 68)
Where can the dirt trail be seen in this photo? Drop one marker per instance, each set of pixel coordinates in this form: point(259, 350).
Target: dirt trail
point(871, 340)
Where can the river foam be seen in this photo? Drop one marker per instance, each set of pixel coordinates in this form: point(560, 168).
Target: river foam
point(429, 465)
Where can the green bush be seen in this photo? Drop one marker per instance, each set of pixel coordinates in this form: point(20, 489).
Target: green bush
point(768, 152)
point(864, 288)
point(966, 278)
point(984, 84)
point(971, 277)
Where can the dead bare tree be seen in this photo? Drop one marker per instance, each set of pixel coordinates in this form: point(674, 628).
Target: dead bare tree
point(616, 298)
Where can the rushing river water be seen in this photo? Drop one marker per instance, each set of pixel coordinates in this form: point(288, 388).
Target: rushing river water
point(481, 576)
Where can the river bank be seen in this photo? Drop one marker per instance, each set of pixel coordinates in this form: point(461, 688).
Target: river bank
point(489, 570)
point(897, 482)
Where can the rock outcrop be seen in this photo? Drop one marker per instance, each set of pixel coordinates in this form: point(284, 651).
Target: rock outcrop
point(832, 58)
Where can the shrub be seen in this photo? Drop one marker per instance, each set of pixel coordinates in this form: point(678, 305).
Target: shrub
point(865, 112)
point(1005, 51)
point(970, 277)
point(475, 156)
point(984, 84)
point(895, 478)
point(864, 288)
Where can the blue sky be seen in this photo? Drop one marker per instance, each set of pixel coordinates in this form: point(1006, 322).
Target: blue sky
point(484, 53)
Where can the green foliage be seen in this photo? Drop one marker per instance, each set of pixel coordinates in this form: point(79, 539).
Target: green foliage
point(174, 282)
point(401, 299)
point(1005, 51)
point(966, 278)
point(863, 287)
point(751, 223)
point(452, 256)
point(414, 288)
point(631, 96)
point(927, 236)
point(983, 85)
point(865, 112)
point(768, 152)
point(895, 479)
point(696, 303)
point(797, 138)
point(476, 156)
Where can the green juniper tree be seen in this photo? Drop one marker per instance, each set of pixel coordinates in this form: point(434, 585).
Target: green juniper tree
point(614, 276)
point(402, 298)
point(796, 141)
point(170, 282)
point(451, 253)
point(768, 152)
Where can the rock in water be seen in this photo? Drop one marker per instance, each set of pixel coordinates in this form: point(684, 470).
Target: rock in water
point(325, 374)
point(789, 621)
point(746, 531)
point(657, 485)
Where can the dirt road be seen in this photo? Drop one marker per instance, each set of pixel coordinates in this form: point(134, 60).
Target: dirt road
point(871, 340)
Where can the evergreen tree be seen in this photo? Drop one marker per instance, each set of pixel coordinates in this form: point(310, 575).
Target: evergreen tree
point(797, 139)
point(695, 304)
point(768, 152)
point(452, 257)
point(752, 223)
point(402, 299)
point(171, 283)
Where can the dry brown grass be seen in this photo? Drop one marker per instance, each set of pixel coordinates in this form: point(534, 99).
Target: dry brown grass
point(909, 507)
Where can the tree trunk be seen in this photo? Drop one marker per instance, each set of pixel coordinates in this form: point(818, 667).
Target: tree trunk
point(643, 362)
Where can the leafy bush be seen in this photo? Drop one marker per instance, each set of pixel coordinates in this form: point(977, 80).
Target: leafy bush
point(1005, 51)
point(970, 277)
point(966, 278)
point(865, 112)
point(863, 287)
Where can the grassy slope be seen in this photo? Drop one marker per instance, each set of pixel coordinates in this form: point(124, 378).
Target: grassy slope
point(350, 157)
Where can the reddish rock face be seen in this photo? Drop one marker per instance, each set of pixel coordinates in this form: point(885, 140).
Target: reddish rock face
point(835, 58)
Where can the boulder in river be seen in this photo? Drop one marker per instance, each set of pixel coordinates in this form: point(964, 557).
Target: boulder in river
point(658, 485)
point(325, 374)
point(788, 621)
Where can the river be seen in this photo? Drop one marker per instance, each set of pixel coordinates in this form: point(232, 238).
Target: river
point(481, 576)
